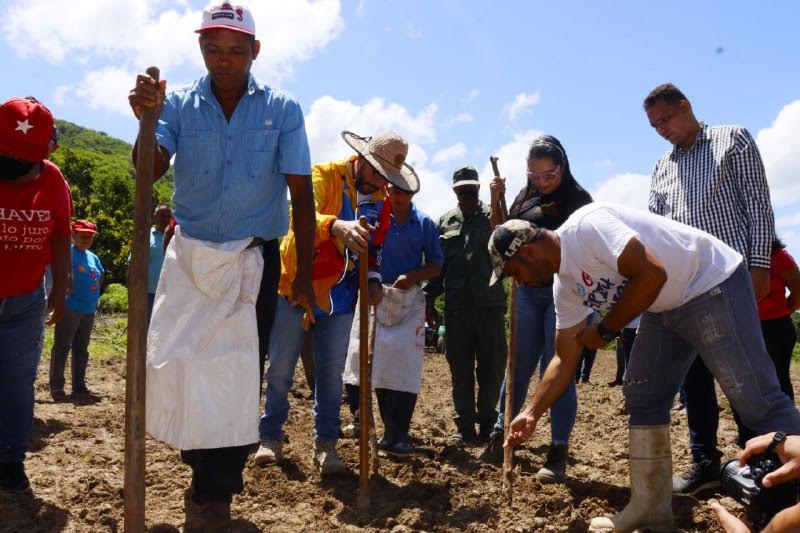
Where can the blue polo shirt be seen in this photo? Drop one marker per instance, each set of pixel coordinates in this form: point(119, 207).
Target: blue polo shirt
point(230, 177)
point(86, 274)
point(407, 244)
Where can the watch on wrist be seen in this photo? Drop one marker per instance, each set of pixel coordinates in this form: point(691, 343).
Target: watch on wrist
point(605, 333)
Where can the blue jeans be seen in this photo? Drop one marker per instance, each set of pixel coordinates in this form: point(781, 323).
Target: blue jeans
point(722, 326)
point(536, 333)
point(331, 338)
point(21, 339)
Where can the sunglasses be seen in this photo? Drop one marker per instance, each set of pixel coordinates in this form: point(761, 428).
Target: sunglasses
point(547, 175)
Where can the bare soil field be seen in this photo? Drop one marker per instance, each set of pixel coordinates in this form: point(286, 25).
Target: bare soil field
point(76, 470)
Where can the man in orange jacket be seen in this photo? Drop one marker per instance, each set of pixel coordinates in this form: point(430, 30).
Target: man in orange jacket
point(339, 187)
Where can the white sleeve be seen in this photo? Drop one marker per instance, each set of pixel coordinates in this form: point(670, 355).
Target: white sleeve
point(604, 236)
point(569, 307)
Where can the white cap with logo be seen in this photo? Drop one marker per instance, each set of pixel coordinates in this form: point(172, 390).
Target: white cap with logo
point(225, 16)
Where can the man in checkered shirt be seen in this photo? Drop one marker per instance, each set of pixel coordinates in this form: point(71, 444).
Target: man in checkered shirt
point(713, 179)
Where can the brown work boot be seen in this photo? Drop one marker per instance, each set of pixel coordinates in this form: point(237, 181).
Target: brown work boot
point(206, 517)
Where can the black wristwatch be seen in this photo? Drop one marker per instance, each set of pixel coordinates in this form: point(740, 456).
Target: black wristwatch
point(605, 333)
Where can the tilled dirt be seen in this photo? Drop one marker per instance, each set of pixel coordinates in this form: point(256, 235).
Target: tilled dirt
point(76, 469)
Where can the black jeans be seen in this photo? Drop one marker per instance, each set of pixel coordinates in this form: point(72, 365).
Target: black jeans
point(217, 472)
point(780, 338)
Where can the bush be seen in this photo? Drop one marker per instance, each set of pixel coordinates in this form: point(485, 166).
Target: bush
point(114, 299)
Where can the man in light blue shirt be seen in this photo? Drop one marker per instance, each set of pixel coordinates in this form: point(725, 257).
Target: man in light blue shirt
point(161, 218)
point(238, 145)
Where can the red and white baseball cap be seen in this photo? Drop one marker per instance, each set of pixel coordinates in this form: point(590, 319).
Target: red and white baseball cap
point(26, 127)
point(226, 16)
point(84, 226)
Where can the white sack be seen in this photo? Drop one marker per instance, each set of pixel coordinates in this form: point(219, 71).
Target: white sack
point(202, 345)
point(399, 342)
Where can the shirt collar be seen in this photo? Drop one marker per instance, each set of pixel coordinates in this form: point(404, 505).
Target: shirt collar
point(703, 136)
point(204, 86)
point(413, 216)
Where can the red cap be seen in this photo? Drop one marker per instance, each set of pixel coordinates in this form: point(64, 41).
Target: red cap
point(84, 226)
point(26, 127)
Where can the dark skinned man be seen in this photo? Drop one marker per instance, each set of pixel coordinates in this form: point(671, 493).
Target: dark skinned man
point(238, 144)
point(696, 296)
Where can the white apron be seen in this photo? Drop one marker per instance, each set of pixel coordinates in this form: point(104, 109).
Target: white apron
point(202, 345)
point(399, 342)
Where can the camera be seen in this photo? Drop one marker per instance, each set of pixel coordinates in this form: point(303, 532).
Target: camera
point(744, 484)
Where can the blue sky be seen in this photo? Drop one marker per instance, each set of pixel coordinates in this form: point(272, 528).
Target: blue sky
point(460, 80)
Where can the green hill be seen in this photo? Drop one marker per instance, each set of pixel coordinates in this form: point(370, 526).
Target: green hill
point(101, 176)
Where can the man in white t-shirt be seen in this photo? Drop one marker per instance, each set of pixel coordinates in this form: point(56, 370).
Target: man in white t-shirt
point(696, 296)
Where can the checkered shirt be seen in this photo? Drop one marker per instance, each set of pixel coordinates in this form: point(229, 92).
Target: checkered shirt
point(718, 186)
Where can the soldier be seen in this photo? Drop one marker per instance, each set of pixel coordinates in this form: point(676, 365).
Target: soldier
point(474, 312)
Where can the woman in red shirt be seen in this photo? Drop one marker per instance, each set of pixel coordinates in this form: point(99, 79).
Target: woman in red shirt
point(35, 209)
point(775, 312)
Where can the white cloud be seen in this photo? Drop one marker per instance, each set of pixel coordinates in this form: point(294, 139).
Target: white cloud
point(780, 148)
point(512, 164)
point(470, 96)
point(628, 189)
point(521, 103)
point(133, 35)
point(413, 32)
point(328, 117)
point(788, 221)
point(451, 153)
point(605, 163)
point(102, 90)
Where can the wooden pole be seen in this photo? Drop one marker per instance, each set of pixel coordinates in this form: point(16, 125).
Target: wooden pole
point(363, 382)
point(508, 452)
point(133, 491)
point(373, 437)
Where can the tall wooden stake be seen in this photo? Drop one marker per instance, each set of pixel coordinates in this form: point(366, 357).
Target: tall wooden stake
point(364, 392)
point(133, 492)
point(508, 453)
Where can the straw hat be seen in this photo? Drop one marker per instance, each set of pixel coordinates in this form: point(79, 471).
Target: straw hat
point(386, 152)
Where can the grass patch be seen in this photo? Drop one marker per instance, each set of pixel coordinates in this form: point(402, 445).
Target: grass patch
point(109, 337)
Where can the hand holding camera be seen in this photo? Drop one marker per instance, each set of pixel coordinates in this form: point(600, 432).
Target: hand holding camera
point(762, 480)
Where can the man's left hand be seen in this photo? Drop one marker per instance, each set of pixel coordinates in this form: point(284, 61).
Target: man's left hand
point(760, 277)
point(590, 338)
point(375, 292)
point(55, 309)
point(729, 523)
point(303, 296)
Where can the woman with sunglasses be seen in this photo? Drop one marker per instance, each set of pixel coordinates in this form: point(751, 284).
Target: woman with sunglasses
point(549, 197)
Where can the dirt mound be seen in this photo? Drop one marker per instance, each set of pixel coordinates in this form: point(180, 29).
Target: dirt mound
point(76, 470)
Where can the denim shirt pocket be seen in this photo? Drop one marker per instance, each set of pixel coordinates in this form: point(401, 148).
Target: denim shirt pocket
point(259, 147)
point(196, 158)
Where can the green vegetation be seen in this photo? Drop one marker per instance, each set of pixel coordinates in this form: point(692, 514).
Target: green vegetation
point(114, 299)
point(101, 176)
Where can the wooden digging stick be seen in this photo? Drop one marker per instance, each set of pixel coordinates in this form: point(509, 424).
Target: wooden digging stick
point(503, 210)
point(133, 491)
point(373, 437)
point(363, 381)
point(508, 452)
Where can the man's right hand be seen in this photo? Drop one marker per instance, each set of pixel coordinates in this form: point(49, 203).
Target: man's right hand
point(497, 189)
point(352, 234)
point(432, 316)
point(147, 93)
point(521, 428)
point(788, 452)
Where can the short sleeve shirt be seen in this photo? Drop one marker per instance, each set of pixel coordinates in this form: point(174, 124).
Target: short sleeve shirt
point(594, 237)
point(31, 214)
point(406, 244)
point(230, 176)
point(86, 273)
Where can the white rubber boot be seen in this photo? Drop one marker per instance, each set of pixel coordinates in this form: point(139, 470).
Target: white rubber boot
point(650, 463)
